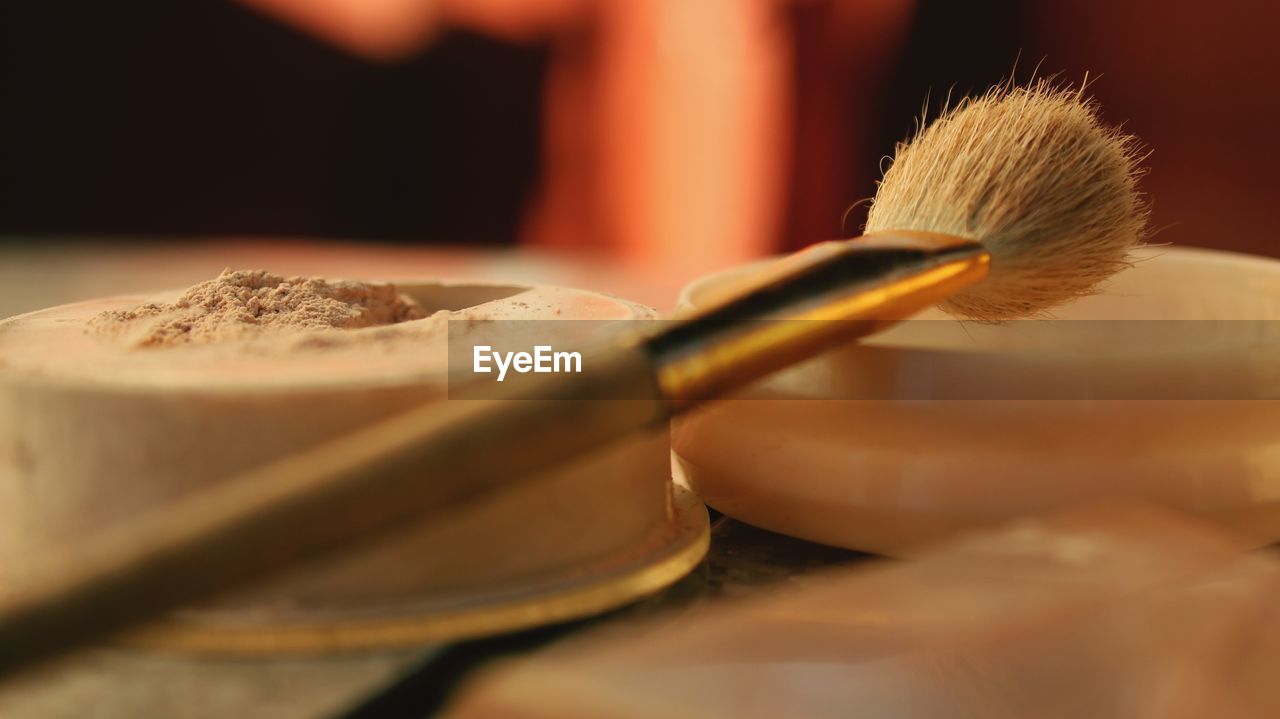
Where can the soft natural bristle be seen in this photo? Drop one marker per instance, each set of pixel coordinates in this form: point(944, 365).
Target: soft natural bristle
point(1032, 174)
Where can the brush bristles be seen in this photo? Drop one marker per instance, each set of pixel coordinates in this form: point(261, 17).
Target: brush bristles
point(1032, 174)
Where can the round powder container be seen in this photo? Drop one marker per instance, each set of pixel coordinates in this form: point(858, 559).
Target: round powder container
point(97, 426)
point(1162, 387)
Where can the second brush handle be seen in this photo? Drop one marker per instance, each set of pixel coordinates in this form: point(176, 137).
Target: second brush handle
point(432, 458)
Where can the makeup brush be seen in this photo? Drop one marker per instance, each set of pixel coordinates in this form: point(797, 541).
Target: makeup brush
point(1003, 207)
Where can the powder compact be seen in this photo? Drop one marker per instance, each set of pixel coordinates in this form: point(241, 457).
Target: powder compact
point(1162, 387)
point(110, 408)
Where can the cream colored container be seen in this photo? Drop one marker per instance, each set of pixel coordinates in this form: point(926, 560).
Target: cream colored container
point(958, 434)
point(92, 434)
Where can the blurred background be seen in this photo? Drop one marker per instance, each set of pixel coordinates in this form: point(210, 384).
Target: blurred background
point(651, 139)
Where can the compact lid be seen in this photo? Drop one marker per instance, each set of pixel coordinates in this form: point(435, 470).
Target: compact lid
point(1180, 324)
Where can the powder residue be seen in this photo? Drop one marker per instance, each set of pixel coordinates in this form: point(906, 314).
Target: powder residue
point(243, 304)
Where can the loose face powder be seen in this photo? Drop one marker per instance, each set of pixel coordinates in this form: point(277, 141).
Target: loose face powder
point(239, 305)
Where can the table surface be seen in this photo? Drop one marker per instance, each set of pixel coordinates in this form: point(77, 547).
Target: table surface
point(742, 561)
point(122, 684)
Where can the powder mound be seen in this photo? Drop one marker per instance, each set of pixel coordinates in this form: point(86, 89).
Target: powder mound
point(243, 304)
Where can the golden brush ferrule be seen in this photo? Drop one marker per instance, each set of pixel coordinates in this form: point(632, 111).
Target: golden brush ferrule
point(824, 296)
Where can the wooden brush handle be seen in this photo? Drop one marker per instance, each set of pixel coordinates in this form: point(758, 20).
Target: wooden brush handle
point(439, 456)
point(429, 459)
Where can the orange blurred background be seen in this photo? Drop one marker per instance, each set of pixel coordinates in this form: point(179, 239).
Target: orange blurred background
point(671, 135)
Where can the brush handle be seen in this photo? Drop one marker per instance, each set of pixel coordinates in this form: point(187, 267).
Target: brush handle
point(440, 456)
point(434, 458)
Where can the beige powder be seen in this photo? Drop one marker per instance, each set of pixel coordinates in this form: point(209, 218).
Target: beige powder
point(239, 305)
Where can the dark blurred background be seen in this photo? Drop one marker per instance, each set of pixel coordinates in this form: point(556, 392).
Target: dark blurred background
point(156, 117)
point(206, 117)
